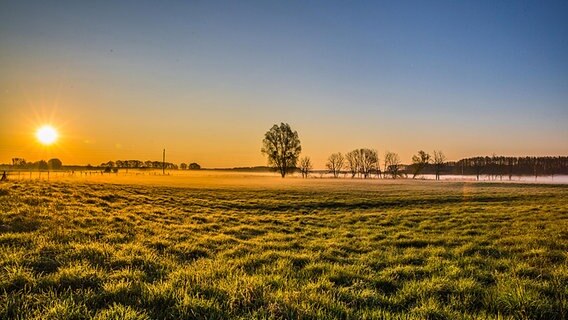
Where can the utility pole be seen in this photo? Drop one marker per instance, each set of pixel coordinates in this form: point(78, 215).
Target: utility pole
point(164, 162)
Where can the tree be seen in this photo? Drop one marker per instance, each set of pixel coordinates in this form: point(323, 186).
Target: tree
point(369, 161)
point(282, 147)
point(109, 164)
point(439, 161)
point(353, 161)
point(183, 166)
point(134, 163)
point(392, 164)
point(194, 166)
point(478, 165)
point(18, 162)
point(335, 163)
point(42, 165)
point(305, 166)
point(419, 162)
point(54, 164)
point(171, 166)
point(362, 161)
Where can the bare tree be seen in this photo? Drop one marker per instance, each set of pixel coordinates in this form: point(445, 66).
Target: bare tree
point(335, 163)
point(282, 146)
point(392, 164)
point(353, 162)
point(369, 161)
point(362, 162)
point(305, 166)
point(419, 162)
point(439, 161)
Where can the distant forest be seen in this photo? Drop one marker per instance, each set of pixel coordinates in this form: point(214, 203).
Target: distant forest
point(504, 167)
point(56, 164)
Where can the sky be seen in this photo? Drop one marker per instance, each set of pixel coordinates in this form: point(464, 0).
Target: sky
point(206, 79)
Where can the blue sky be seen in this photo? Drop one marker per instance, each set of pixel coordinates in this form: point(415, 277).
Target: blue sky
point(207, 78)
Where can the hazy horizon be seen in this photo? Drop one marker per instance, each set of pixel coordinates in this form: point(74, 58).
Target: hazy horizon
point(206, 80)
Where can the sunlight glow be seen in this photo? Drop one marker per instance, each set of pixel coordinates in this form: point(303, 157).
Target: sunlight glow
point(46, 134)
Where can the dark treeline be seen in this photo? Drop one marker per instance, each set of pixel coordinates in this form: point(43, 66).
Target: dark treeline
point(51, 164)
point(56, 164)
point(138, 164)
point(499, 167)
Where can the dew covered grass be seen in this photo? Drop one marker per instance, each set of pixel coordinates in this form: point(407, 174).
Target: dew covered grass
point(315, 249)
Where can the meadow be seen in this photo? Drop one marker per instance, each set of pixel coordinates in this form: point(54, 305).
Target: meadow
point(265, 248)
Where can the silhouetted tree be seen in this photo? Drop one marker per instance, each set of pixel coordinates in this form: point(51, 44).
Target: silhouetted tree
point(335, 163)
point(42, 165)
point(194, 166)
point(478, 165)
point(183, 166)
point(109, 164)
point(536, 165)
point(282, 147)
point(439, 160)
point(171, 166)
point(134, 163)
point(54, 164)
point(353, 161)
point(510, 165)
point(362, 161)
point(419, 162)
point(392, 164)
point(305, 166)
point(18, 162)
point(369, 161)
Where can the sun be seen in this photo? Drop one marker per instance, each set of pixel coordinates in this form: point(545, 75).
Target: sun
point(46, 135)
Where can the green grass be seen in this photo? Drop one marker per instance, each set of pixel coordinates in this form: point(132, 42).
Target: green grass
point(310, 250)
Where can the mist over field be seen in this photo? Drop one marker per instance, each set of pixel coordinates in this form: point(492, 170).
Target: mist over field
point(264, 178)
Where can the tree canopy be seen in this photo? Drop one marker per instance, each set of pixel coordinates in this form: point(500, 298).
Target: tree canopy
point(282, 147)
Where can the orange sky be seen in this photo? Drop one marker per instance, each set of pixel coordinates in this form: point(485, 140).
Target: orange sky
point(97, 129)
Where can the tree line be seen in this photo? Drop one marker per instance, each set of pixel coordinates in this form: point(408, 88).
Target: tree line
point(282, 147)
point(365, 163)
point(138, 164)
point(51, 164)
point(499, 167)
point(57, 164)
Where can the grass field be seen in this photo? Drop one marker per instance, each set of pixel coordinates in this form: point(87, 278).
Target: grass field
point(272, 248)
